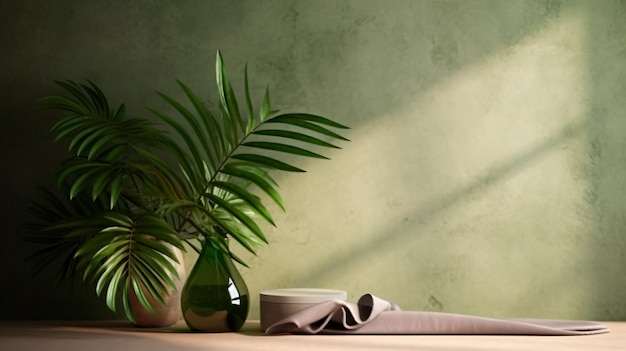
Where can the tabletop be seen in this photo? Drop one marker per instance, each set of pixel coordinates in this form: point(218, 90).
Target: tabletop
point(121, 335)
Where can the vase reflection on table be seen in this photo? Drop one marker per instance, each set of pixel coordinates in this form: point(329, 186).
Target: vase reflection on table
point(215, 297)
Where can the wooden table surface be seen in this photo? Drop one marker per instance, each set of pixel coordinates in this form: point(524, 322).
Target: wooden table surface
point(114, 336)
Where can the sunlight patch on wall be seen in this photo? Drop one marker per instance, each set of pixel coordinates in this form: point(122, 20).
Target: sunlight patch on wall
point(488, 161)
point(485, 115)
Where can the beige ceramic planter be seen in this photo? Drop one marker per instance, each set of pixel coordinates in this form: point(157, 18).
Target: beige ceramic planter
point(166, 314)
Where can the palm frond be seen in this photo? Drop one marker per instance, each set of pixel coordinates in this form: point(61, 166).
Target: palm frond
point(59, 227)
point(242, 150)
point(131, 250)
point(109, 148)
point(228, 100)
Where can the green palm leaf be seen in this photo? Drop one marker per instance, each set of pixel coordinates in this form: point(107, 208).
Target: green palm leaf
point(287, 134)
point(303, 121)
point(120, 252)
point(267, 162)
point(81, 95)
point(228, 101)
point(250, 125)
point(265, 145)
point(255, 176)
point(243, 194)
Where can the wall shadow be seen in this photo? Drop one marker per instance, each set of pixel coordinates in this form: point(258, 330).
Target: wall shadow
point(605, 261)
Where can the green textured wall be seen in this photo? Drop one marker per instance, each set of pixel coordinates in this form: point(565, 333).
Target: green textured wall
point(486, 171)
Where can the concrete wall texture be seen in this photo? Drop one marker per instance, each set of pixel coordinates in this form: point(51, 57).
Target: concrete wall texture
point(486, 172)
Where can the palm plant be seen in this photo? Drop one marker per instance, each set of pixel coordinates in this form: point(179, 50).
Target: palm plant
point(121, 193)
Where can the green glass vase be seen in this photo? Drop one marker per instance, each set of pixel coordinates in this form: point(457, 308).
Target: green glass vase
point(215, 297)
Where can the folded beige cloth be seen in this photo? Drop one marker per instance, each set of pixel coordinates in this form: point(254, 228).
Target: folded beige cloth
point(373, 315)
